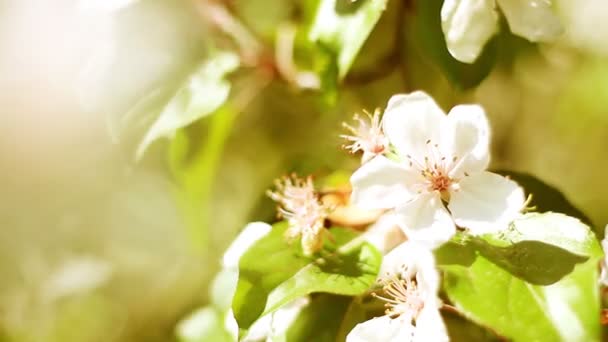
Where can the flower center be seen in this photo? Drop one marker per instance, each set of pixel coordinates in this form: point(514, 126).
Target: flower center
point(402, 298)
point(438, 180)
point(434, 168)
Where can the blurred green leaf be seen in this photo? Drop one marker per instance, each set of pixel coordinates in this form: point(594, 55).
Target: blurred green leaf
point(194, 169)
point(544, 196)
point(202, 94)
point(425, 31)
point(506, 267)
point(273, 273)
point(342, 26)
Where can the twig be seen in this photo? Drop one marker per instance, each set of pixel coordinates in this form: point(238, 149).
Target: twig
point(217, 14)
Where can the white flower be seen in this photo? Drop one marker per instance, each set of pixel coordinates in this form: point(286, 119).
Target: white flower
point(410, 290)
point(440, 159)
point(368, 137)
point(303, 210)
point(604, 273)
point(469, 24)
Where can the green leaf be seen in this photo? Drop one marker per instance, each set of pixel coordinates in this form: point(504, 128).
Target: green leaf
point(555, 229)
point(528, 274)
point(202, 94)
point(342, 26)
point(461, 329)
point(273, 273)
point(544, 196)
point(425, 30)
point(320, 321)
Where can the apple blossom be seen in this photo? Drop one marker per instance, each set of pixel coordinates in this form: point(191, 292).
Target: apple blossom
point(469, 24)
point(367, 137)
point(410, 284)
point(437, 159)
point(300, 205)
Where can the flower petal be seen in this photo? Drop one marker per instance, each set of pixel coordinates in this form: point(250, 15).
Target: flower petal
point(381, 184)
point(531, 19)
point(385, 234)
point(419, 262)
point(426, 220)
point(467, 26)
point(410, 120)
point(486, 202)
point(249, 236)
point(604, 272)
point(381, 329)
point(466, 136)
point(430, 325)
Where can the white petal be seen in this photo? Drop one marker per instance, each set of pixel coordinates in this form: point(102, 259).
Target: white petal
point(486, 202)
point(385, 234)
point(430, 325)
point(426, 220)
point(419, 261)
point(466, 136)
point(231, 325)
point(467, 26)
point(410, 121)
point(382, 329)
point(381, 184)
point(531, 19)
point(249, 236)
point(604, 273)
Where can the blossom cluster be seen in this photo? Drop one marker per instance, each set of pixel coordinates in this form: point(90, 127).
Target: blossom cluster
point(425, 173)
point(431, 180)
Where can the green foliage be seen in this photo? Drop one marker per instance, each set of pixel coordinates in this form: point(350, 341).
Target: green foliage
point(425, 31)
point(461, 329)
point(544, 196)
point(285, 274)
point(320, 320)
point(202, 94)
point(194, 168)
point(542, 270)
point(341, 27)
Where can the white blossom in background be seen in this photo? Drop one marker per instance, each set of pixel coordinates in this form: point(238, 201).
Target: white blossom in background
point(604, 273)
point(469, 24)
point(410, 285)
point(439, 159)
point(367, 137)
point(300, 205)
point(76, 276)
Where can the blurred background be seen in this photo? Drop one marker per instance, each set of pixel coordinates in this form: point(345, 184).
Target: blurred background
point(100, 245)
